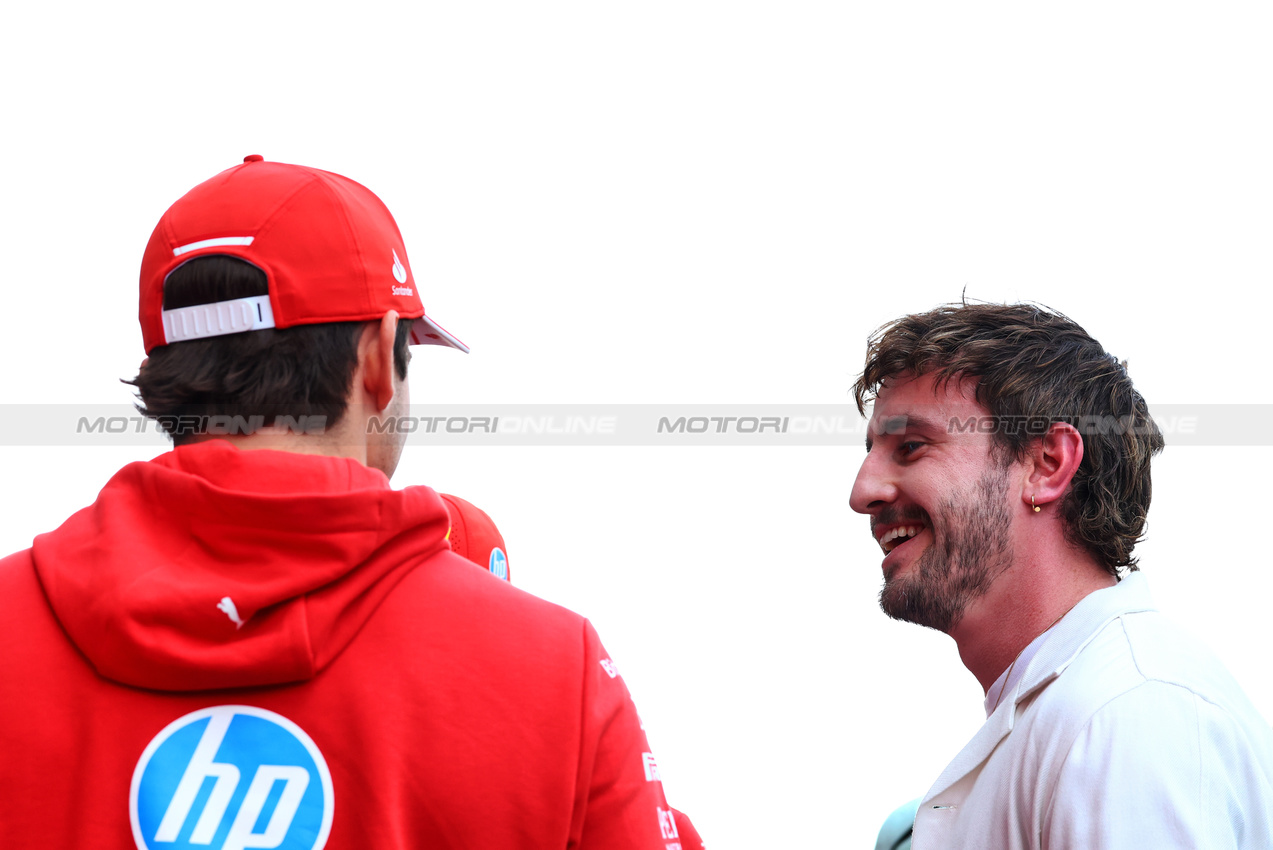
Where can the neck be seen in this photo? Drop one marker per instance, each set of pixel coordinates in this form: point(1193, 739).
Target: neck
point(1026, 601)
point(335, 442)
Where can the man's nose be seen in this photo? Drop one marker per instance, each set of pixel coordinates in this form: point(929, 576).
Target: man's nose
point(874, 486)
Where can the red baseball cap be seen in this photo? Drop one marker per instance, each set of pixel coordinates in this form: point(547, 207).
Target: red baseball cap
point(329, 247)
point(474, 536)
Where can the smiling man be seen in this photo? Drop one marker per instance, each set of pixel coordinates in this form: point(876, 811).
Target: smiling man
point(1007, 479)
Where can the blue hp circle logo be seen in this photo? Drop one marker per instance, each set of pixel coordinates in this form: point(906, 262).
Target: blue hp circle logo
point(499, 563)
point(229, 778)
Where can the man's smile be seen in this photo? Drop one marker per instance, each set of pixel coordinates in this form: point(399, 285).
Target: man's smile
point(900, 541)
point(897, 535)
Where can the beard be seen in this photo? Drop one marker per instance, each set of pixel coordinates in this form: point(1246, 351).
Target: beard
point(958, 568)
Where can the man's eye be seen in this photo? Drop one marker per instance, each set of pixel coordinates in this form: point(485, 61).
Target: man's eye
point(909, 448)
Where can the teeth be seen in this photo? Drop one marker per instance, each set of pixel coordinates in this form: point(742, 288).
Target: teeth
point(902, 531)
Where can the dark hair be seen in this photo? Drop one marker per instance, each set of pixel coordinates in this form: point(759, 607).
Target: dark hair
point(1033, 367)
point(251, 378)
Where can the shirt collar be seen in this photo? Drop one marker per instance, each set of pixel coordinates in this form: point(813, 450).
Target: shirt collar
point(1051, 652)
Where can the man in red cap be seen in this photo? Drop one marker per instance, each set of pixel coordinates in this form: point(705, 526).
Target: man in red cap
point(252, 640)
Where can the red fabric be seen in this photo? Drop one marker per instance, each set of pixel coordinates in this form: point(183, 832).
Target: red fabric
point(453, 710)
point(329, 246)
point(687, 835)
point(473, 533)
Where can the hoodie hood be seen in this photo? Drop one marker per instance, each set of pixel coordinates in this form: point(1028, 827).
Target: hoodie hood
point(211, 567)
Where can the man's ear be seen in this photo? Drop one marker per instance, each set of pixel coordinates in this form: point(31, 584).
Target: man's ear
point(375, 359)
point(1055, 458)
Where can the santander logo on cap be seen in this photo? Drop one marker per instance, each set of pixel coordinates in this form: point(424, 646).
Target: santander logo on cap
point(400, 275)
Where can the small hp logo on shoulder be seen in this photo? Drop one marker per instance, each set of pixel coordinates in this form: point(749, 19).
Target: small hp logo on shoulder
point(499, 563)
point(229, 778)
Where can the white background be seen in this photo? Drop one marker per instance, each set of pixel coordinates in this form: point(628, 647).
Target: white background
point(697, 202)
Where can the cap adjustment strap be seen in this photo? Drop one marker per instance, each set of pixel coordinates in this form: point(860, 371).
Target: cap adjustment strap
point(223, 317)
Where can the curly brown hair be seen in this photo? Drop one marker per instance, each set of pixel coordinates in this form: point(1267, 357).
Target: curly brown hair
point(1034, 366)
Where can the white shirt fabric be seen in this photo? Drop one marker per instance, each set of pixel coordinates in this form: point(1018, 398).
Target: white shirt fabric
point(1016, 671)
point(1122, 731)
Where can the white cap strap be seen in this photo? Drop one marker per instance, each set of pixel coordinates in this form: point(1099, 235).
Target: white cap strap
point(224, 317)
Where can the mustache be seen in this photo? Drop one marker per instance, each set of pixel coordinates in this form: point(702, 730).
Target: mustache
point(900, 516)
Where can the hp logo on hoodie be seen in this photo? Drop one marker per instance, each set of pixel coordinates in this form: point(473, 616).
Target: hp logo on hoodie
point(229, 778)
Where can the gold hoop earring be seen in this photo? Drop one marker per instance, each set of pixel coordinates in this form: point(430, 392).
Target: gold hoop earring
point(1033, 505)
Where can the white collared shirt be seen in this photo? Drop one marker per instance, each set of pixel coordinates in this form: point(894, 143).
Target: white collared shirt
point(1014, 673)
point(1120, 731)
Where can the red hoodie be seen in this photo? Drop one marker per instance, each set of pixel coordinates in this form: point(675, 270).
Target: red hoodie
point(235, 649)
